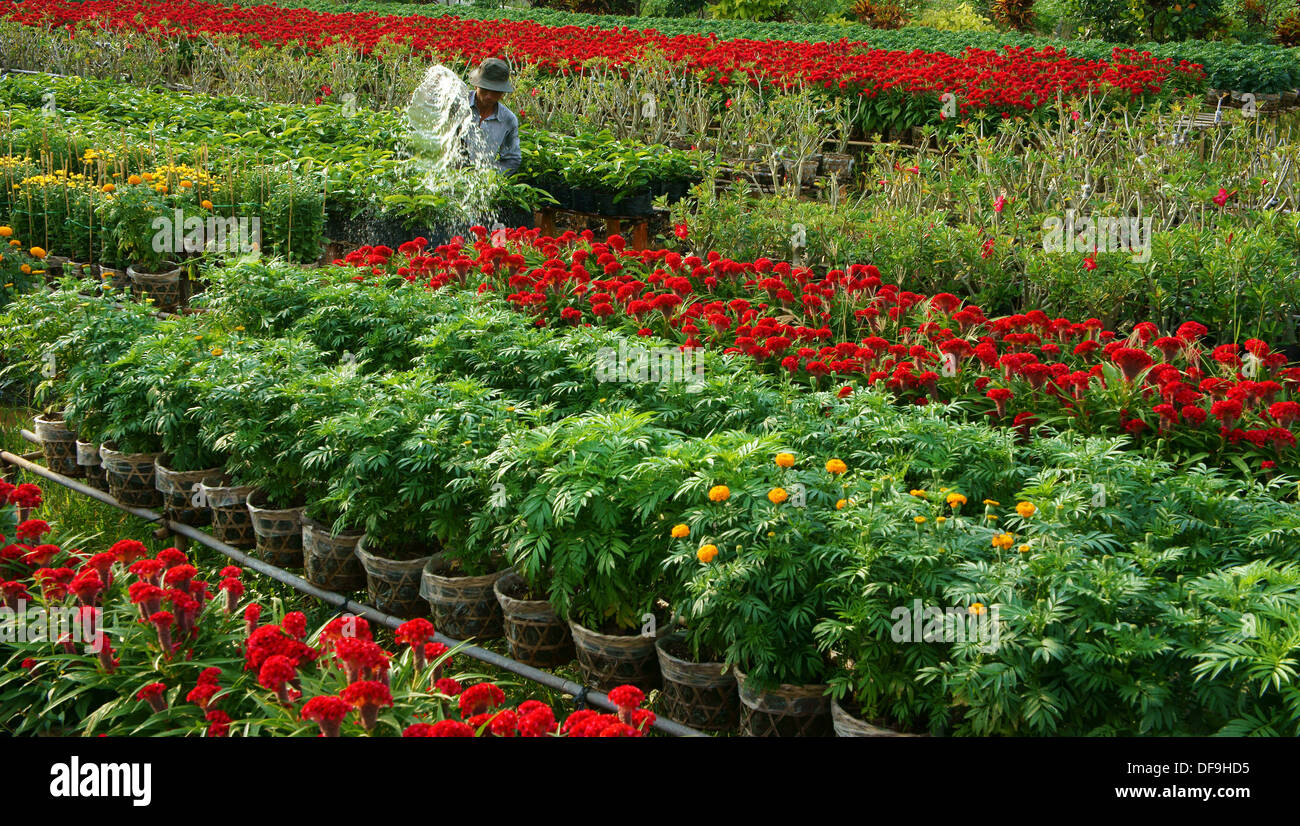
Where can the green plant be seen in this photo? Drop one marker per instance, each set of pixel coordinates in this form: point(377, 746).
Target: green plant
point(879, 15)
point(750, 9)
point(138, 227)
point(957, 17)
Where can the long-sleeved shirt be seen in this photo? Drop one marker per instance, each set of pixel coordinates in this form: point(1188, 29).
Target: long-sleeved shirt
point(497, 137)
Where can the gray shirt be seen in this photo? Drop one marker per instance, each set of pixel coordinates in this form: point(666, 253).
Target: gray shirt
point(498, 137)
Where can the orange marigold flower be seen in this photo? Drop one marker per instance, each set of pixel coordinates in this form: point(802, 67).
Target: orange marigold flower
point(681, 531)
point(956, 500)
point(719, 493)
point(777, 495)
point(1003, 540)
point(36, 252)
point(706, 553)
point(1026, 509)
point(836, 466)
point(785, 460)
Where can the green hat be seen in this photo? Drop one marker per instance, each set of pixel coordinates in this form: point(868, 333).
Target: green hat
point(493, 74)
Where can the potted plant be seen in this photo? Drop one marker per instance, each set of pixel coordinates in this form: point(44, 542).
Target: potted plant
point(140, 229)
point(752, 579)
point(589, 540)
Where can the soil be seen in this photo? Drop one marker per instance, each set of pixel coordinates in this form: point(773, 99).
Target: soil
point(611, 628)
point(851, 706)
point(518, 589)
point(455, 568)
point(400, 552)
point(682, 651)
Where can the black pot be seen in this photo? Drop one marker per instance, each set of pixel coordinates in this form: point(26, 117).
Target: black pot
point(583, 201)
point(642, 204)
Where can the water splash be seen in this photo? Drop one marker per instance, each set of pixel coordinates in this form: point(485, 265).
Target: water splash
point(447, 147)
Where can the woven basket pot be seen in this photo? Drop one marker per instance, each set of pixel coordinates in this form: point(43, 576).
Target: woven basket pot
point(278, 532)
point(330, 559)
point(130, 476)
point(231, 521)
point(609, 661)
point(462, 606)
point(116, 279)
point(88, 458)
point(785, 711)
point(163, 287)
point(536, 634)
point(700, 695)
point(393, 585)
point(179, 490)
point(59, 444)
point(846, 725)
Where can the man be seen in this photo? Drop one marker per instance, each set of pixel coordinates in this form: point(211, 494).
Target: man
point(497, 136)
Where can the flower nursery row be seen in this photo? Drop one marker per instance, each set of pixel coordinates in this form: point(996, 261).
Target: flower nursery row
point(787, 531)
point(124, 642)
point(847, 330)
point(1003, 83)
point(351, 156)
point(1246, 68)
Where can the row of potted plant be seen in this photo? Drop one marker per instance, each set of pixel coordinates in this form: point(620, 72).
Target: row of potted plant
point(755, 513)
point(153, 644)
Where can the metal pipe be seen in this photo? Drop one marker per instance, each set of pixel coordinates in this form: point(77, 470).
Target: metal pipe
point(597, 698)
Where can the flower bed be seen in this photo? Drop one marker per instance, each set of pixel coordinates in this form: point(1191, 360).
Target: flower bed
point(150, 648)
point(850, 330)
point(1003, 83)
point(1247, 68)
point(754, 507)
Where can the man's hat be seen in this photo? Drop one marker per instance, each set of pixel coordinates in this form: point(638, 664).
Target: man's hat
point(493, 74)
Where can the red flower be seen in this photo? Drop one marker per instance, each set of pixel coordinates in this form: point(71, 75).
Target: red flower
point(414, 633)
point(681, 231)
point(1090, 263)
point(33, 529)
point(450, 728)
point(368, 696)
point(276, 671)
point(25, 495)
point(153, 695)
point(295, 623)
point(1131, 361)
point(448, 686)
point(327, 712)
point(480, 698)
point(218, 723)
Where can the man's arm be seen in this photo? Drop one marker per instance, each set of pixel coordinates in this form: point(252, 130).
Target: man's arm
point(511, 156)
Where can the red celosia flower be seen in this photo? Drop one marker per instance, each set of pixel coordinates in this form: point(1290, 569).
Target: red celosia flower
point(1131, 361)
point(33, 529)
point(627, 698)
point(25, 495)
point(295, 623)
point(448, 686)
point(179, 576)
point(1284, 412)
point(148, 570)
point(153, 695)
point(233, 589)
point(328, 712)
point(450, 728)
point(414, 633)
point(275, 673)
point(368, 696)
point(480, 698)
point(251, 615)
point(128, 551)
point(218, 723)
point(13, 592)
point(202, 694)
point(171, 557)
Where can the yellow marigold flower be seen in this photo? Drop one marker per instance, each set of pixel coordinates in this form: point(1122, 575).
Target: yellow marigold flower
point(10, 284)
point(839, 506)
point(719, 493)
point(941, 519)
point(1003, 540)
point(5, 232)
point(239, 328)
point(1026, 509)
point(706, 553)
point(956, 500)
point(919, 493)
point(836, 466)
point(681, 531)
point(510, 408)
point(920, 520)
point(977, 608)
point(771, 534)
point(26, 268)
point(133, 179)
point(36, 252)
point(196, 338)
point(216, 351)
point(108, 188)
point(1024, 549)
point(777, 495)
point(991, 502)
point(991, 516)
point(206, 204)
point(785, 460)
point(186, 184)
point(15, 243)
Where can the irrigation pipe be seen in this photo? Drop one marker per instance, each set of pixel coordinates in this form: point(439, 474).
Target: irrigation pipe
point(591, 696)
